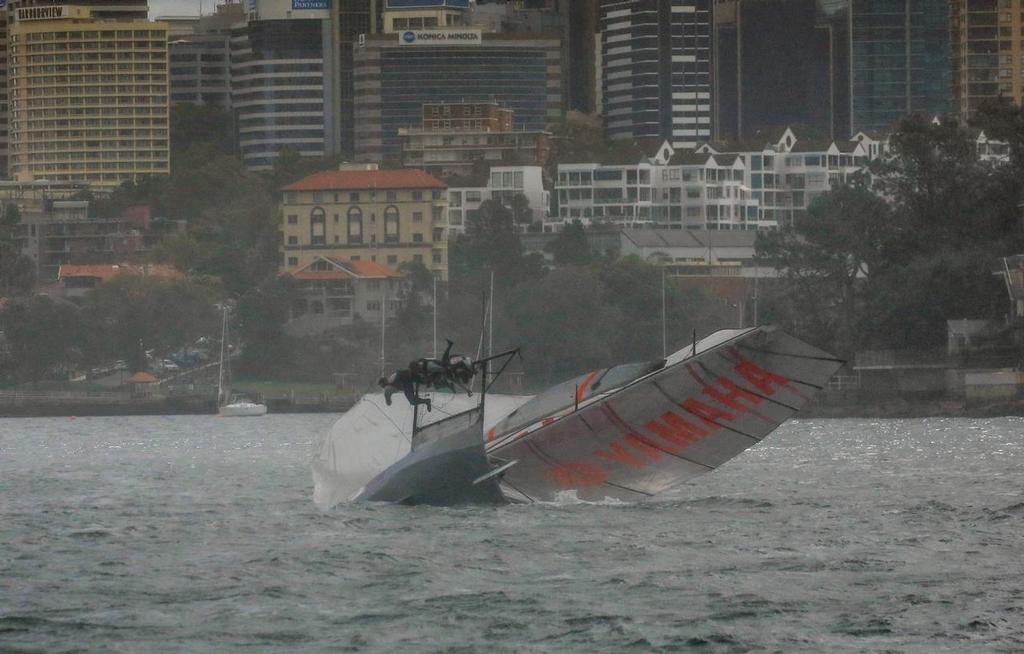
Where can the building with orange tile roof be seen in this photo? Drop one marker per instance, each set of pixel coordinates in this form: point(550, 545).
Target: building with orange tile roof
point(336, 292)
point(77, 280)
point(362, 214)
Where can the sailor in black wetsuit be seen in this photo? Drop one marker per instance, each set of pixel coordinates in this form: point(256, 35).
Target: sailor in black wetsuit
point(447, 372)
point(402, 380)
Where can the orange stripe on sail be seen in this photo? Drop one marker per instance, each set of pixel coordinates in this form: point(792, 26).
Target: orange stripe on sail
point(582, 390)
point(490, 434)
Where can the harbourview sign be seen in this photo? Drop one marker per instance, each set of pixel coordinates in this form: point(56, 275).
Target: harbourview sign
point(440, 37)
point(42, 13)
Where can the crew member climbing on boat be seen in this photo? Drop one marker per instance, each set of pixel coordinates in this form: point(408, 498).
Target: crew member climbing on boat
point(402, 380)
point(449, 371)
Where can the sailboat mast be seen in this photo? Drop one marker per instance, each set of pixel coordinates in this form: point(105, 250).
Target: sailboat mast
point(223, 343)
point(664, 348)
point(383, 313)
point(435, 315)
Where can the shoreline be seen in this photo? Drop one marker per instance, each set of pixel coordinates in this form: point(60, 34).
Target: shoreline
point(890, 409)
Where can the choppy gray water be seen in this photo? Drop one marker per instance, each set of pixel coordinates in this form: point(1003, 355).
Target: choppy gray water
point(198, 534)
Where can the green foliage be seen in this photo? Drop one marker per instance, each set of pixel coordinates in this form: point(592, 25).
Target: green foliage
point(193, 124)
point(17, 271)
point(43, 336)
point(570, 246)
point(490, 243)
point(884, 266)
point(260, 318)
point(130, 313)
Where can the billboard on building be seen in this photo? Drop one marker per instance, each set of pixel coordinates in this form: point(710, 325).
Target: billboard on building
point(440, 37)
point(298, 5)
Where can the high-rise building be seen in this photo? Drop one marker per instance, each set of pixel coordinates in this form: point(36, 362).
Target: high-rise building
point(281, 76)
point(101, 9)
point(579, 40)
point(200, 56)
point(899, 60)
point(656, 70)
point(780, 62)
point(988, 52)
point(351, 20)
point(396, 74)
point(104, 118)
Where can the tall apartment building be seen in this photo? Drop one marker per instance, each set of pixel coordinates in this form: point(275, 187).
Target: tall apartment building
point(988, 52)
point(396, 74)
point(387, 217)
point(88, 94)
point(900, 60)
point(281, 75)
point(656, 70)
point(781, 62)
point(200, 56)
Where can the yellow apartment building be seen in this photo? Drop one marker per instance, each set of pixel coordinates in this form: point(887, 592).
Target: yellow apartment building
point(988, 52)
point(388, 217)
point(88, 98)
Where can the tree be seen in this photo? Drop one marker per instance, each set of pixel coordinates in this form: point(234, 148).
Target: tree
point(563, 324)
point(571, 245)
point(193, 124)
point(17, 271)
point(845, 236)
point(489, 244)
point(261, 316)
point(160, 314)
point(43, 336)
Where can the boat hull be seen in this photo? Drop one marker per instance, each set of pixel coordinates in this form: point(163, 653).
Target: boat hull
point(444, 468)
point(242, 410)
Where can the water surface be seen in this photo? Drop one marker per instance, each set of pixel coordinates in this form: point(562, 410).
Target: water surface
point(198, 534)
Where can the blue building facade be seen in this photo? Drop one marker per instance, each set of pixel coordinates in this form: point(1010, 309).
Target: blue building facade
point(900, 61)
point(393, 82)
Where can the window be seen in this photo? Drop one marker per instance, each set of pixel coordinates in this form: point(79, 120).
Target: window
point(318, 226)
point(318, 197)
point(435, 195)
point(392, 259)
point(392, 196)
point(436, 214)
point(353, 197)
point(438, 234)
point(417, 258)
point(293, 240)
point(417, 195)
point(436, 258)
point(391, 225)
point(355, 225)
point(293, 220)
point(293, 261)
point(417, 238)
point(417, 216)
point(373, 306)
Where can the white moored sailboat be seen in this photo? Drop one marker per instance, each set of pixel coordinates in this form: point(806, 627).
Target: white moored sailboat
point(230, 405)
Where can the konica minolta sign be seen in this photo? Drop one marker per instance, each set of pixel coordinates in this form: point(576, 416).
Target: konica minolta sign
point(440, 37)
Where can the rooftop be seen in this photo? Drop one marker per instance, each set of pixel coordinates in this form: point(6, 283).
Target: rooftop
point(342, 269)
point(107, 271)
point(341, 180)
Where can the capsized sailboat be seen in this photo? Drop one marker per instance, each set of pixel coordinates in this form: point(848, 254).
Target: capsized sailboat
point(627, 432)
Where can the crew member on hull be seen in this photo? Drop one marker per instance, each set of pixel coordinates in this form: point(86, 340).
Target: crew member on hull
point(402, 380)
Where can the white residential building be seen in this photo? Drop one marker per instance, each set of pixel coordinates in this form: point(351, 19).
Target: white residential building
point(717, 187)
point(504, 184)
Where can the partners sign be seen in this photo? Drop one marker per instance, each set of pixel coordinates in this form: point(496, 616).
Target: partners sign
point(440, 37)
